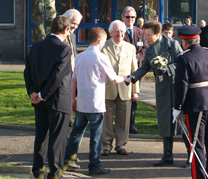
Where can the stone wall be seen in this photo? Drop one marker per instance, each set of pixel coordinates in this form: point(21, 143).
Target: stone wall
point(12, 38)
point(202, 7)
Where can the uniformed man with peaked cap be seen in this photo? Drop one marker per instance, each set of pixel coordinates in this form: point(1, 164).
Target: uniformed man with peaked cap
point(191, 92)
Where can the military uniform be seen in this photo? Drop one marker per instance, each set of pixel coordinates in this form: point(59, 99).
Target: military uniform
point(191, 91)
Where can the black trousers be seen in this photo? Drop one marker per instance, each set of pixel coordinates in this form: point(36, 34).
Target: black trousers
point(191, 122)
point(133, 113)
point(50, 138)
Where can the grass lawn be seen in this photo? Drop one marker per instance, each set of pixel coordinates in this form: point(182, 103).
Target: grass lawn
point(16, 109)
point(9, 177)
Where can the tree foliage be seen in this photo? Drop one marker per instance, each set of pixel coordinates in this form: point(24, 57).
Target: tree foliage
point(149, 11)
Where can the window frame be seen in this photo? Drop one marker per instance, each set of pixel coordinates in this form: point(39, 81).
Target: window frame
point(10, 24)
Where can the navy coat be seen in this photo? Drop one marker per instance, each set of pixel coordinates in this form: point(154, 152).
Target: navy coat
point(192, 67)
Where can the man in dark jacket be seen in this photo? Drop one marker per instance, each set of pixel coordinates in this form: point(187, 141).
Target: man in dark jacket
point(48, 82)
point(135, 36)
point(191, 91)
point(204, 36)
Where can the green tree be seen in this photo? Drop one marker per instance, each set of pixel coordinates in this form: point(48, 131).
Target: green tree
point(149, 11)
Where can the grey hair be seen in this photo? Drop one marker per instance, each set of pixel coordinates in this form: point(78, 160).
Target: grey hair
point(193, 41)
point(123, 26)
point(71, 13)
point(203, 22)
point(128, 8)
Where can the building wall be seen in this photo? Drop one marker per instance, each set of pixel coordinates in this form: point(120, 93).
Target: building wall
point(201, 11)
point(12, 38)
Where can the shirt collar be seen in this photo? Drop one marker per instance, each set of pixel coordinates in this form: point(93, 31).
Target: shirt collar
point(131, 28)
point(158, 40)
point(114, 43)
point(61, 39)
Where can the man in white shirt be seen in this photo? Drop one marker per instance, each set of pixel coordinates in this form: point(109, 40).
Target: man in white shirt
point(91, 68)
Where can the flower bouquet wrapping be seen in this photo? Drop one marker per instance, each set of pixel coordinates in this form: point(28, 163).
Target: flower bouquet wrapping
point(159, 63)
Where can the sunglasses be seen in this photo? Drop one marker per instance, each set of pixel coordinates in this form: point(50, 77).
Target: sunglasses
point(128, 17)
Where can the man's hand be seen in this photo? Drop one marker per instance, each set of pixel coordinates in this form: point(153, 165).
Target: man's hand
point(33, 95)
point(126, 79)
point(74, 106)
point(35, 99)
point(135, 97)
point(176, 114)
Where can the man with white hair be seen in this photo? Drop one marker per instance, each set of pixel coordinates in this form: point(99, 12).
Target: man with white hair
point(202, 23)
point(75, 18)
point(123, 59)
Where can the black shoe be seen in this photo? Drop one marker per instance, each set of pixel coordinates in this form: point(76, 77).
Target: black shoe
point(164, 161)
point(99, 170)
point(133, 130)
point(187, 164)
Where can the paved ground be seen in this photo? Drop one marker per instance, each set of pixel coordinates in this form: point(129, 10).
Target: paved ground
point(16, 147)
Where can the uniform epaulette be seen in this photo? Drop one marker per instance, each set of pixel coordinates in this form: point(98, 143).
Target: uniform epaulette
point(184, 52)
point(205, 48)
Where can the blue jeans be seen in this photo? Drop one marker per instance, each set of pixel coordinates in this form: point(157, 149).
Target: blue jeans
point(79, 127)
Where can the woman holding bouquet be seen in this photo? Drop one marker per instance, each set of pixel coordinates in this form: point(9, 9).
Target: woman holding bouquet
point(160, 56)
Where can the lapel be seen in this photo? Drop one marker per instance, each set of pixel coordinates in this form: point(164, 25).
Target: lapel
point(126, 37)
point(110, 49)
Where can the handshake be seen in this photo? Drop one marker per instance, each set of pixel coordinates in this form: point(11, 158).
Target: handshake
point(129, 79)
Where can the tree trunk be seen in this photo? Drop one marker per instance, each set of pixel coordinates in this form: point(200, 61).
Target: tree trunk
point(39, 20)
point(50, 14)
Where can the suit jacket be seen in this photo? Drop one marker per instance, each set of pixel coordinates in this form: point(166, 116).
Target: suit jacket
point(122, 65)
point(73, 37)
point(192, 67)
point(138, 36)
point(48, 70)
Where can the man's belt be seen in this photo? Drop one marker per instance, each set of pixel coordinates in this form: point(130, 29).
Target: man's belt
point(199, 84)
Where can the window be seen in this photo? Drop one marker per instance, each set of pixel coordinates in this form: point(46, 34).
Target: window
point(7, 13)
point(177, 11)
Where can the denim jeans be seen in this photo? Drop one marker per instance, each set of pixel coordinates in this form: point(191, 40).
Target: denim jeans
point(79, 127)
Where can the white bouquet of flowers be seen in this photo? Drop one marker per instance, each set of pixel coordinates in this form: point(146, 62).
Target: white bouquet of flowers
point(158, 64)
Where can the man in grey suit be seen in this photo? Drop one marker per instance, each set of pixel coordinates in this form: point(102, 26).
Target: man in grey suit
point(48, 82)
point(75, 18)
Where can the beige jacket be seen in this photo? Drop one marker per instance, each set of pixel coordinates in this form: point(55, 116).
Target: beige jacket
point(123, 64)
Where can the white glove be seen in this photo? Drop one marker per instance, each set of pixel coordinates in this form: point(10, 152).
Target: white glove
point(176, 114)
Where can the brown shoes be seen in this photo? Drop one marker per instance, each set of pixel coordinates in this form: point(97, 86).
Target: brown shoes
point(122, 152)
point(105, 152)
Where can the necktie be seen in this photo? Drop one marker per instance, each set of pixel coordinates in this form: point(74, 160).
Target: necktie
point(69, 42)
point(130, 33)
point(117, 50)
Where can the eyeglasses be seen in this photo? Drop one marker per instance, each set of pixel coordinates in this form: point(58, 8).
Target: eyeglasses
point(128, 17)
